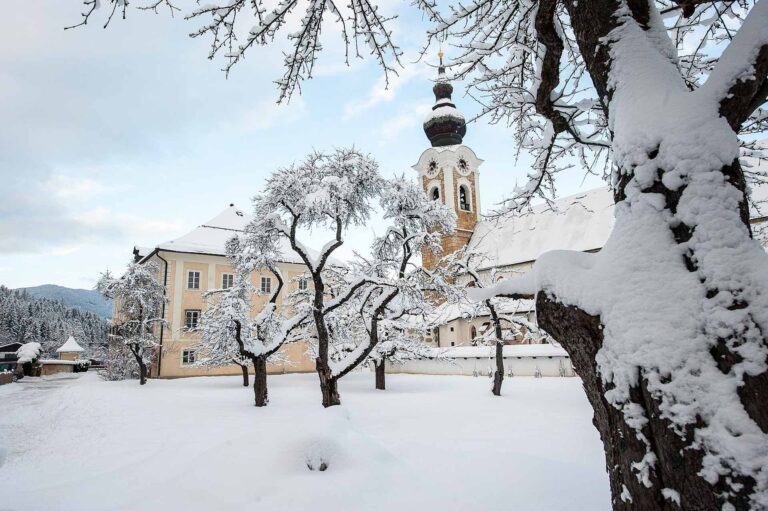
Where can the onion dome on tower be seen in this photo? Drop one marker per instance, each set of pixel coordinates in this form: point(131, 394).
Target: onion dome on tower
point(444, 125)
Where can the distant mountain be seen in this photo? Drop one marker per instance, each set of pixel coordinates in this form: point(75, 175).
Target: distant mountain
point(86, 299)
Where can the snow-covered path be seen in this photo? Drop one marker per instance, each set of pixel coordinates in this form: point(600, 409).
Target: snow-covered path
point(427, 443)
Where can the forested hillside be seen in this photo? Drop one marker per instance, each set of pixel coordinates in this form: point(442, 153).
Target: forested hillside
point(86, 299)
point(25, 318)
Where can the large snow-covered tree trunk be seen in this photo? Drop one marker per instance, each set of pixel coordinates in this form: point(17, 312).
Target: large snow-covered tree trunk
point(667, 324)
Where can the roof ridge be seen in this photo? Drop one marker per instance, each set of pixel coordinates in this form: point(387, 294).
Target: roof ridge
point(222, 228)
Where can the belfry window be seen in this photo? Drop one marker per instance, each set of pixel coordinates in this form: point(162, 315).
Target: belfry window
point(463, 198)
point(435, 193)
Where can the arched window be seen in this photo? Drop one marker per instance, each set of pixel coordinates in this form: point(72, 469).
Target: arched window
point(436, 335)
point(435, 193)
point(473, 332)
point(463, 198)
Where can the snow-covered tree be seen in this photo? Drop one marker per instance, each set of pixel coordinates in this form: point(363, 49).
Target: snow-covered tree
point(397, 298)
point(325, 191)
point(666, 323)
point(139, 298)
point(461, 269)
point(400, 342)
point(218, 345)
point(230, 332)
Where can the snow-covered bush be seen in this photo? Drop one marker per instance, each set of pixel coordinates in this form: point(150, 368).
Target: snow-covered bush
point(28, 352)
point(119, 363)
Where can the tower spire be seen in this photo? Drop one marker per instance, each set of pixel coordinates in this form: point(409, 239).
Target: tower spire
point(445, 124)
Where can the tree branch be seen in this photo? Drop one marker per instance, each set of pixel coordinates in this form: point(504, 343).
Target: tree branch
point(740, 81)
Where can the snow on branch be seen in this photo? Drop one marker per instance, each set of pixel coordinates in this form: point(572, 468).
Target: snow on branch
point(739, 81)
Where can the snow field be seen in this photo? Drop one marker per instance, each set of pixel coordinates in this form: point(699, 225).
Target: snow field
point(428, 442)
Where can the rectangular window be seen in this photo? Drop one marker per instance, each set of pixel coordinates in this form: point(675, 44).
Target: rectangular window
point(266, 284)
point(303, 284)
point(191, 319)
point(227, 280)
point(193, 280)
point(187, 357)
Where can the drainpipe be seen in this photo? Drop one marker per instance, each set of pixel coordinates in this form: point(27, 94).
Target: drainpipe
point(162, 324)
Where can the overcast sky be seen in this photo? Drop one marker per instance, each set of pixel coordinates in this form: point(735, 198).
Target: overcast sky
point(131, 136)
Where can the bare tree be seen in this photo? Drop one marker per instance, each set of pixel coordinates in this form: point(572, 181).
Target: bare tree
point(139, 296)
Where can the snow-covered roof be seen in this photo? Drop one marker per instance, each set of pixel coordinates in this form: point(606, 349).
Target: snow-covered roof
point(70, 346)
point(211, 237)
point(578, 222)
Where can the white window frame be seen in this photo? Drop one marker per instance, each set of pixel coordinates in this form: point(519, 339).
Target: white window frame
point(268, 282)
point(225, 277)
point(197, 324)
point(187, 351)
point(303, 284)
point(199, 278)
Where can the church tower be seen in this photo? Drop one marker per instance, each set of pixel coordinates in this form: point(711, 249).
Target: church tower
point(448, 170)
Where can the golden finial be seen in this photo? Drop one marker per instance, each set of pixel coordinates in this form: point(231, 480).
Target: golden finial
point(440, 54)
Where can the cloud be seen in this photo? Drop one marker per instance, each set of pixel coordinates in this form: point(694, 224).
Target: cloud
point(75, 188)
point(42, 212)
point(267, 114)
point(380, 93)
point(408, 120)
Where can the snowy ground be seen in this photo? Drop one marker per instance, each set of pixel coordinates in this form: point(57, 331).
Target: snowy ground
point(427, 443)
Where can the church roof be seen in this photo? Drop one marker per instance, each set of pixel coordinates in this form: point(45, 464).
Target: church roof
point(578, 222)
point(70, 346)
point(211, 237)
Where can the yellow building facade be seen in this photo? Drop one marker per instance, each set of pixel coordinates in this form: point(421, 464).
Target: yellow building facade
point(190, 266)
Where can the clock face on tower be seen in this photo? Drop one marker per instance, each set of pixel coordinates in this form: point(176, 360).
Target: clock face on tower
point(463, 167)
point(432, 169)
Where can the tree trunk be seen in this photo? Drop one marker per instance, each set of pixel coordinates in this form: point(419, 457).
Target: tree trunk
point(260, 381)
point(142, 366)
point(380, 375)
point(142, 372)
point(328, 385)
point(678, 462)
point(498, 376)
point(244, 368)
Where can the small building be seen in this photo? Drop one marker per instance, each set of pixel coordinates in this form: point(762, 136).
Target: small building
point(8, 356)
point(70, 350)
